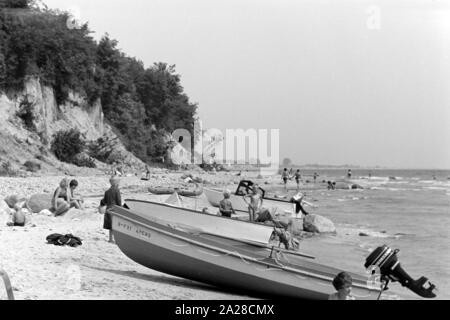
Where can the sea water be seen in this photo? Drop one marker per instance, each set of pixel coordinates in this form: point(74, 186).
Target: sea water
point(407, 210)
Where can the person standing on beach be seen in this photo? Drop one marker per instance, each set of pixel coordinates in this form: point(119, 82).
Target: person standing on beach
point(315, 176)
point(225, 206)
point(298, 177)
point(61, 198)
point(299, 200)
point(349, 173)
point(254, 204)
point(112, 197)
point(285, 177)
point(147, 173)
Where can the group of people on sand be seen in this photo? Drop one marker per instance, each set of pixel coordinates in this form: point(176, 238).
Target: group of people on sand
point(287, 175)
point(64, 199)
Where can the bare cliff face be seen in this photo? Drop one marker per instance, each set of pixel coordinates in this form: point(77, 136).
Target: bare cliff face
point(19, 144)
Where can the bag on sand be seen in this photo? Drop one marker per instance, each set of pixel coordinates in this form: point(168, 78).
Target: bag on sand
point(63, 240)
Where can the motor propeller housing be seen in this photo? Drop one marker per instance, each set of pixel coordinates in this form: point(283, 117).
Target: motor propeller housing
point(386, 260)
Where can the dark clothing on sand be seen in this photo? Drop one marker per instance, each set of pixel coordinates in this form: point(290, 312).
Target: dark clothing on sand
point(112, 197)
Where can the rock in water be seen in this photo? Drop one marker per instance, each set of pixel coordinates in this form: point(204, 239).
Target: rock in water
point(39, 202)
point(318, 224)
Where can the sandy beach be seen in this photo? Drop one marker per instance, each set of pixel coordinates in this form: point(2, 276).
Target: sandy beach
point(99, 270)
point(95, 270)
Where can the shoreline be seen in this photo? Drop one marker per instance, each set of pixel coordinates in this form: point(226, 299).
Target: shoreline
point(99, 270)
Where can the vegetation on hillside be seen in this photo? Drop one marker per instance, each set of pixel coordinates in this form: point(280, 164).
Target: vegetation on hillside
point(142, 104)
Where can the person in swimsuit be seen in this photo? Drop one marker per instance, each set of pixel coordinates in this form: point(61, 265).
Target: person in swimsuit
point(285, 177)
point(298, 177)
point(76, 202)
point(225, 206)
point(254, 203)
point(61, 198)
point(315, 176)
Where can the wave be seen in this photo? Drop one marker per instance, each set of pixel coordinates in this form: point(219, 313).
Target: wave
point(395, 189)
point(363, 232)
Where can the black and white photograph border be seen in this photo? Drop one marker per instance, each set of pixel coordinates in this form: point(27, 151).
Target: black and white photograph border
point(240, 152)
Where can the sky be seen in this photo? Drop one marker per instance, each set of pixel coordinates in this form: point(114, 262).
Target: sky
point(346, 82)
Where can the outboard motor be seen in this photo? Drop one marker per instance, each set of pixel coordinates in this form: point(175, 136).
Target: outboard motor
point(386, 260)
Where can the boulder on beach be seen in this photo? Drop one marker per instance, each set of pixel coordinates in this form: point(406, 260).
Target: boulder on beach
point(12, 200)
point(318, 224)
point(39, 202)
point(347, 185)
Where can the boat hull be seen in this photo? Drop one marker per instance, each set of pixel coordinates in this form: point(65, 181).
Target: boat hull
point(182, 192)
point(193, 257)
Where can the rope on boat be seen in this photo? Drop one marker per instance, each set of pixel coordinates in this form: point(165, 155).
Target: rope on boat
point(208, 253)
point(177, 245)
point(268, 269)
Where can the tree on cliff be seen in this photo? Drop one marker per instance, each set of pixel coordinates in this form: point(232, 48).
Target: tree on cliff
point(143, 105)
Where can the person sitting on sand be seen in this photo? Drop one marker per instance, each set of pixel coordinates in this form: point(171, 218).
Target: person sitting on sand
point(225, 206)
point(19, 218)
point(343, 285)
point(61, 198)
point(254, 204)
point(112, 197)
point(75, 202)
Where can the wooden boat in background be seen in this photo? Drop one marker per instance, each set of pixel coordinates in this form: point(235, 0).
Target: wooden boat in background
point(225, 263)
point(206, 223)
point(185, 192)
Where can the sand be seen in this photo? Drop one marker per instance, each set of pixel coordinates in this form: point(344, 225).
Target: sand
point(99, 270)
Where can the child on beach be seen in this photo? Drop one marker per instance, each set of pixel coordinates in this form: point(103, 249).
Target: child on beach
point(112, 197)
point(19, 218)
point(343, 285)
point(225, 206)
point(76, 202)
point(61, 198)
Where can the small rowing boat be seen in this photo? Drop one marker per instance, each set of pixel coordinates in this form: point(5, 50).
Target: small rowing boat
point(185, 192)
point(226, 263)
